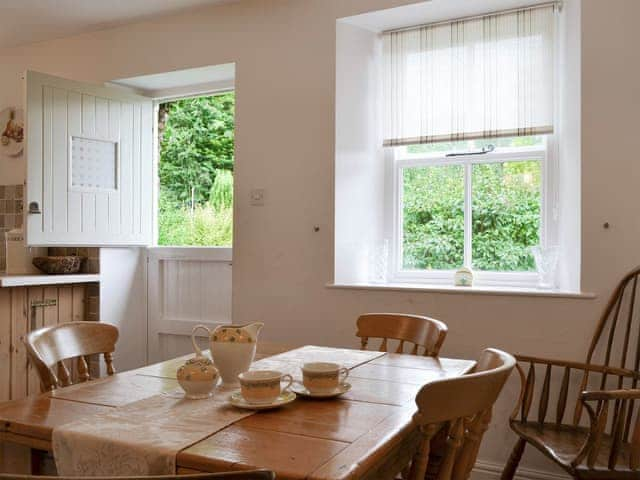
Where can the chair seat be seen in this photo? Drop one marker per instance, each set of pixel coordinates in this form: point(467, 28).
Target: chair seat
point(562, 443)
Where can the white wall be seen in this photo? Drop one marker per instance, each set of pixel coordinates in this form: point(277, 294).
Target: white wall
point(285, 56)
point(359, 164)
point(123, 302)
point(569, 158)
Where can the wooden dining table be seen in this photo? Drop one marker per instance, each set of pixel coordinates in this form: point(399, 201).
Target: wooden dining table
point(366, 433)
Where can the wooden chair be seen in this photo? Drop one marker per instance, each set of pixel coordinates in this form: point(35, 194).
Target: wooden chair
point(51, 347)
point(604, 443)
point(246, 475)
point(461, 408)
point(423, 332)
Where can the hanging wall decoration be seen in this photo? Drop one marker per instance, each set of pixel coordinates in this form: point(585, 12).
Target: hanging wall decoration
point(11, 131)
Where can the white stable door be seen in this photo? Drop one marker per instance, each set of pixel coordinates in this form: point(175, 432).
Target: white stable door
point(89, 164)
point(188, 286)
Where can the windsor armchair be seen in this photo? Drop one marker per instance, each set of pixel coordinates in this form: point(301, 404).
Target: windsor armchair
point(423, 332)
point(461, 407)
point(51, 348)
point(604, 442)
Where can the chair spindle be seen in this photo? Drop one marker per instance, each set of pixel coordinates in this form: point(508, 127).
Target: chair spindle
point(634, 450)
point(602, 417)
point(544, 395)
point(455, 438)
point(562, 397)
point(108, 359)
point(528, 398)
point(617, 432)
point(83, 369)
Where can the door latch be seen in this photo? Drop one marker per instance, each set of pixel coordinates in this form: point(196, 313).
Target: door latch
point(34, 208)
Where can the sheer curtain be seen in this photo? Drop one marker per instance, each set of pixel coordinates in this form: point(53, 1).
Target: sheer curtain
point(482, 77)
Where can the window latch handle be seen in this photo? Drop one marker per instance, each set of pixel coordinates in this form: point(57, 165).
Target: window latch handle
point(487, 149)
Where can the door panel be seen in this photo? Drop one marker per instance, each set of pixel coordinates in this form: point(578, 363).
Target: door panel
point(89, 162)
point(187, 286)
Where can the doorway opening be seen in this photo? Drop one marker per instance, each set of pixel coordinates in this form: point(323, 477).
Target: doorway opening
point(189, 267)
point(195, 170)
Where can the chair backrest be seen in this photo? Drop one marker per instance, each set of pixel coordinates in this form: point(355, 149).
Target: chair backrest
point(423, 332)
point(462, 406)
point(616, 340)
point(50, 349)
point(615, 343)
point(239, 475)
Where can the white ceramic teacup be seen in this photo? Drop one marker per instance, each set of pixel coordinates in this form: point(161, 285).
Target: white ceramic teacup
point(323, 377)
point(263, 386)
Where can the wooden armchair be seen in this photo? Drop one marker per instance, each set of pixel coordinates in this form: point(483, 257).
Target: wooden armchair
point(51, 350)
point(604, 442)
point(461, 409)
point(424, 332)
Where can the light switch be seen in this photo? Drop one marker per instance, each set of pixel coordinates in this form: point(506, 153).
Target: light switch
point(256, 197)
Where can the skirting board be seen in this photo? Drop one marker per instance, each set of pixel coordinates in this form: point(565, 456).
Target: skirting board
point(492, 471)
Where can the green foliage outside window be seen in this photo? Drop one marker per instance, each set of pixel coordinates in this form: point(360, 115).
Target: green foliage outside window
point(505, 216)
point(433, 217)
point(196, 171)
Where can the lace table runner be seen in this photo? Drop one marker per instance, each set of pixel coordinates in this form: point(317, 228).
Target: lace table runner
point(142, 438)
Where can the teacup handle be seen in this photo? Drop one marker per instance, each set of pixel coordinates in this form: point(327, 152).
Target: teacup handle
point(284, 378)
point(344, 372)
point(193, 338)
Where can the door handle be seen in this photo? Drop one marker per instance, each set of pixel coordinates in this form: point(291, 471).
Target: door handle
point(34, 208)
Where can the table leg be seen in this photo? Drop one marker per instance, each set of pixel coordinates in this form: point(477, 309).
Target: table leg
point(15, 458)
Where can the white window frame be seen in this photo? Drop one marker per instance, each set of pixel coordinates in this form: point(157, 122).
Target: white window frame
point(545, 153)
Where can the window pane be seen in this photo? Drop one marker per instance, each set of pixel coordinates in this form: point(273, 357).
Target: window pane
point(505, 215)
point(433, 217)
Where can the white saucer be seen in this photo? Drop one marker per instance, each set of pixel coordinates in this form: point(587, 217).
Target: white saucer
point(237, 400)
point(302, 391)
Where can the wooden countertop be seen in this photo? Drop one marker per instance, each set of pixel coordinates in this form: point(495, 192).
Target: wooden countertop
point(31, 280)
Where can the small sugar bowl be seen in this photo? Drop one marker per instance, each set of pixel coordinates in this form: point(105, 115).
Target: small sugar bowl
point(198, 377)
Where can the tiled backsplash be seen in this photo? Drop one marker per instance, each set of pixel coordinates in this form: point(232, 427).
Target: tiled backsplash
point(10, 215)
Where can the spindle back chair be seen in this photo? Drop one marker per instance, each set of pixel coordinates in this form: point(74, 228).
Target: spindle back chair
point(50, 349)
point(605, 440)
point(461, 406)
point(423, 332)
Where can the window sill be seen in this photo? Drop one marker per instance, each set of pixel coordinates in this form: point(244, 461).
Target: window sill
point(480, 290)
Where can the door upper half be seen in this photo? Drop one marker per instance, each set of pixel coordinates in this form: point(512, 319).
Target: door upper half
point(89, 153)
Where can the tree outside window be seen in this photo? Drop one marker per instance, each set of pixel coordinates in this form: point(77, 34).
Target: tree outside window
point(196, 139)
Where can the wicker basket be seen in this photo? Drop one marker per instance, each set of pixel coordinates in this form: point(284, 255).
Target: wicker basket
point(61, 265)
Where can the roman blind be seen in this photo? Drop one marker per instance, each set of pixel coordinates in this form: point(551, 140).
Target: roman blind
point(481, 77)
